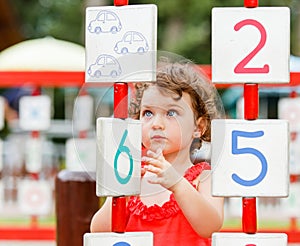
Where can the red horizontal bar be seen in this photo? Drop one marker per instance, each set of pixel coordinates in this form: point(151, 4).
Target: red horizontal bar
point(77, 78)
point(22, 233)
point(41, 78)
point(27, 233)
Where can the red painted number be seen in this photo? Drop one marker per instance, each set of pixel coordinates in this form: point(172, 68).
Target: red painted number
point(240, 68)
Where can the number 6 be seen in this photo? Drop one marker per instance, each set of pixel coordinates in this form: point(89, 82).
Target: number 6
point(121, 149)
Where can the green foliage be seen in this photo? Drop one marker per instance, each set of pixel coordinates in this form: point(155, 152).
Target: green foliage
point(62, 19)
point(183, 25)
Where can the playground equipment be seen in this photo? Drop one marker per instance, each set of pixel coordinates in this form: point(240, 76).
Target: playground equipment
point(238, 70)
point(231, 68)
point(62, 78)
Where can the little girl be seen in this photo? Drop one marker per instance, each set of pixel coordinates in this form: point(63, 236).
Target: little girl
point(175, 201)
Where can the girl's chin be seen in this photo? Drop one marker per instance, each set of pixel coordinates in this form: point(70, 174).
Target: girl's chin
point(157, 146)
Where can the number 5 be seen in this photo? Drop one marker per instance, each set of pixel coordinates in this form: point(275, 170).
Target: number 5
point(251, 151)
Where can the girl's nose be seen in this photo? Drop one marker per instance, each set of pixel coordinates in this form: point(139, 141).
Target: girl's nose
point(158, 122)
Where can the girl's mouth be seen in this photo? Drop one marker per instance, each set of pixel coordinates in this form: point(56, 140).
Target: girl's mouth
point(158, 137)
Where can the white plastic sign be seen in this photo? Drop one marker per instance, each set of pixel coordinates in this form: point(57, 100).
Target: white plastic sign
point(1, 155)
point(250, 158)
point(1, 195)
point(295, 155)
point(81, 154)
point(118, 239)
point(243, 239)
point(2, 103)
point(121, 43)
point(33, 155)
point(118, 157)
point(35, 113)
point(290, 206)
point(83, 113)
point(35, 197)
point(289, 109)
point(250, 45)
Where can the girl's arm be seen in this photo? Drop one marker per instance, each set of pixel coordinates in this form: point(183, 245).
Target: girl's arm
point(101, 221)
point(204, 212)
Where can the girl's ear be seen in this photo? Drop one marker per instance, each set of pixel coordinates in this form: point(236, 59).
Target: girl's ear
point(201, 126)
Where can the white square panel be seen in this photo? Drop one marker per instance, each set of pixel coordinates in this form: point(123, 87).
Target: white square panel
point(33, 155)
point(35, 197)
point(83, 113)
point(35, 113)
point(121, 43)
point(250, 158)
point(118, 157)
point(2, 103)
point(81, 154)
point(119, 239)
point(243, 239)
point(289, 109)
point(250, 45)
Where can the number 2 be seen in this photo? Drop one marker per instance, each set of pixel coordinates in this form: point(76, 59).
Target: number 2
point(251, 151)
point(240, 68)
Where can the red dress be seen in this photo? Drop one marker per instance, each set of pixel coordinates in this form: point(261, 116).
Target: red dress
point(167, 222)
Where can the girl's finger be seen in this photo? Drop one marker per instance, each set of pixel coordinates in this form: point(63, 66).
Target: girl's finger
point(150, 160)
point(152, 169)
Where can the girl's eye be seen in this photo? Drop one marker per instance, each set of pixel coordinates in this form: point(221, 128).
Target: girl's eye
point(172, 113)
point(147, 113)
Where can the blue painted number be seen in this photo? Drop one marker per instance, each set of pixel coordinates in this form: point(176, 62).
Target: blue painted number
point(251, 151)
point(121, 244)
point(125, 149)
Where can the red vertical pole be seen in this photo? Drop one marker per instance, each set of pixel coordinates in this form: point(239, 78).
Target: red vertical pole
point(251, 106)
point(251, 3)
point(35, 134)
point(251, 109)
point(83, 133)
point(35, 176)
point(120, 111)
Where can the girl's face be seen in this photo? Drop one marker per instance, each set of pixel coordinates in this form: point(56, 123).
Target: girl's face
point(167, 124)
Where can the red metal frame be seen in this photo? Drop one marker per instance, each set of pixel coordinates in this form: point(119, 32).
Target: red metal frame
point(251, 101)
point(77, 79)
point(41, 78)
point(251, 110)
point(27, 233)
point(251, 3)
point(120, 111)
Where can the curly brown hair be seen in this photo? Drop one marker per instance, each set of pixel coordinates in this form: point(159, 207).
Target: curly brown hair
point(174, 79)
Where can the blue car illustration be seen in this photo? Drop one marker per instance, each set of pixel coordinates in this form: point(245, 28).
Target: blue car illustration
point(105, 66)
point(132, 42)
point(105, 22)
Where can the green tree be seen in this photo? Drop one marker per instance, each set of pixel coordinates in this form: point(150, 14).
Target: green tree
point(184, 26)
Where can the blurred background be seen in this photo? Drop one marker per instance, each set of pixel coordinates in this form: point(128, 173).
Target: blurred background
point(184, 28)
point(178, 21)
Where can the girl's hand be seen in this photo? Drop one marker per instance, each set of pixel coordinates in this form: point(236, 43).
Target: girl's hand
point(166, 175)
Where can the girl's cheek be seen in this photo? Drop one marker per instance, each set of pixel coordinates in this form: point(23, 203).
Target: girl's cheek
point(145, 136)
